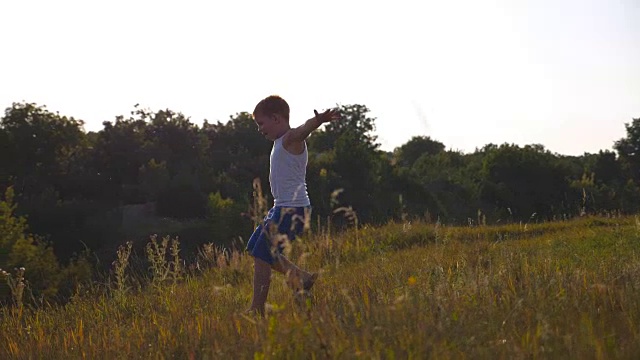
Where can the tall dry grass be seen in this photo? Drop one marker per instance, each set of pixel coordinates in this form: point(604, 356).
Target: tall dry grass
point(567, 289)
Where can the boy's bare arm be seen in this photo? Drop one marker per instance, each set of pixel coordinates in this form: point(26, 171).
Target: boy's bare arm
point(299, 134)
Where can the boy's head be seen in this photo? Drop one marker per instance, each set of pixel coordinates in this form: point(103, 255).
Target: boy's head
point(272, 116)
point(272, 105)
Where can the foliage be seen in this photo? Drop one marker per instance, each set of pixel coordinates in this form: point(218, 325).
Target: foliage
point(77, 190)
point(19, 249)
point(406, 155)
point(628, 149)
point(524, 181)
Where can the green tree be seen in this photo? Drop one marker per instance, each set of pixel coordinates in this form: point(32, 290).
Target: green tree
point(154, 178)
point(600, 186)
point(5, 157)
point(628, 149)
point(354, 121)
point(521, 182)
point(417, 146)
point(39, 149)
point(345, 154)
point(20, 249)
point(238, 154)
point(607, 168)
point(445, 176)
point(47, 160)
point(173, 139)
point(117, 157)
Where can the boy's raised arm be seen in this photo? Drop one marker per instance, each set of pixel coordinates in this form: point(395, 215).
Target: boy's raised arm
point(300, 133)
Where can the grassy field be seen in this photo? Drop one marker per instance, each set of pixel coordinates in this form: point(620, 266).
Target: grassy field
point(561, 290)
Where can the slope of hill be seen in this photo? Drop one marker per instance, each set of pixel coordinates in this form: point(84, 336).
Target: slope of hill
point(562, 290)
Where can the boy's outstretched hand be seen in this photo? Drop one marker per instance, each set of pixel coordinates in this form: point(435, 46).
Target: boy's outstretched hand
point(327, 116)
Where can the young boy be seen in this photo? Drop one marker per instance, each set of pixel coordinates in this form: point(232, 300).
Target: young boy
point(287, 178)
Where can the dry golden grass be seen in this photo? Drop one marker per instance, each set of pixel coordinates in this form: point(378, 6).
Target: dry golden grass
point(555, 290)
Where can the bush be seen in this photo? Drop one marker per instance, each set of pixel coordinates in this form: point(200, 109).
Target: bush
point(181, 202)
point(19, 249)
point(225, 217)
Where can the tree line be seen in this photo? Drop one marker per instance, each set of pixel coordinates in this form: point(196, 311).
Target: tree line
point(67, 192)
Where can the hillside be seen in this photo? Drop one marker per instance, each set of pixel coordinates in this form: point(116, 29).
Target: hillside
point(553, 290)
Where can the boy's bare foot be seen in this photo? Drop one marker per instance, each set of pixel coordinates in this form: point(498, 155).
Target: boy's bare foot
point(303, 296)
point(307, 284)
point(254, 312)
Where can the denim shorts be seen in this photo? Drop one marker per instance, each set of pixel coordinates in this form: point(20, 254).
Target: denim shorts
point(284, 222)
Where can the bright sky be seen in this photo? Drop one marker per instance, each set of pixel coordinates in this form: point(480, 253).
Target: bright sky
point(562, 73)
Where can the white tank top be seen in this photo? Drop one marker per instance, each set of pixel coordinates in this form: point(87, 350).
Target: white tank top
point(287, 176)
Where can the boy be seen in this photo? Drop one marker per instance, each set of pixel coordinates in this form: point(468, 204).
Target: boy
point(287, 178)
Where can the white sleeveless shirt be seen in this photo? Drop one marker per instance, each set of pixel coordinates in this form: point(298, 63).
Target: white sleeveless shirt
point(287, 176)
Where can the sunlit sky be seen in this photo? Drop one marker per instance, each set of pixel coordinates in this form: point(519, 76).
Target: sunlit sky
point(565, 74)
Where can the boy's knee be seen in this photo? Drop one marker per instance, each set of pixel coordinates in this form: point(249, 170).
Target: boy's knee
point(260, 263)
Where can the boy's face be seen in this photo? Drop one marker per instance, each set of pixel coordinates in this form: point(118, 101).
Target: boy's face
point(267, 125)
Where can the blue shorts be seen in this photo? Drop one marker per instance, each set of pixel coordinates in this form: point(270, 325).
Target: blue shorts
point(284, 222)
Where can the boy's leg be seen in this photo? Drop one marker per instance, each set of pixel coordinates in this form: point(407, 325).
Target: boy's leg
point(261, 283)
point(297, 278)
point(292, 224)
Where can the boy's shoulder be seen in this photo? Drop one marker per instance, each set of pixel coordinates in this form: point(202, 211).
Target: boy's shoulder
point(292, 146)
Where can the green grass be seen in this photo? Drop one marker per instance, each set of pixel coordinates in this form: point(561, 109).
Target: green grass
point(554, 290)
